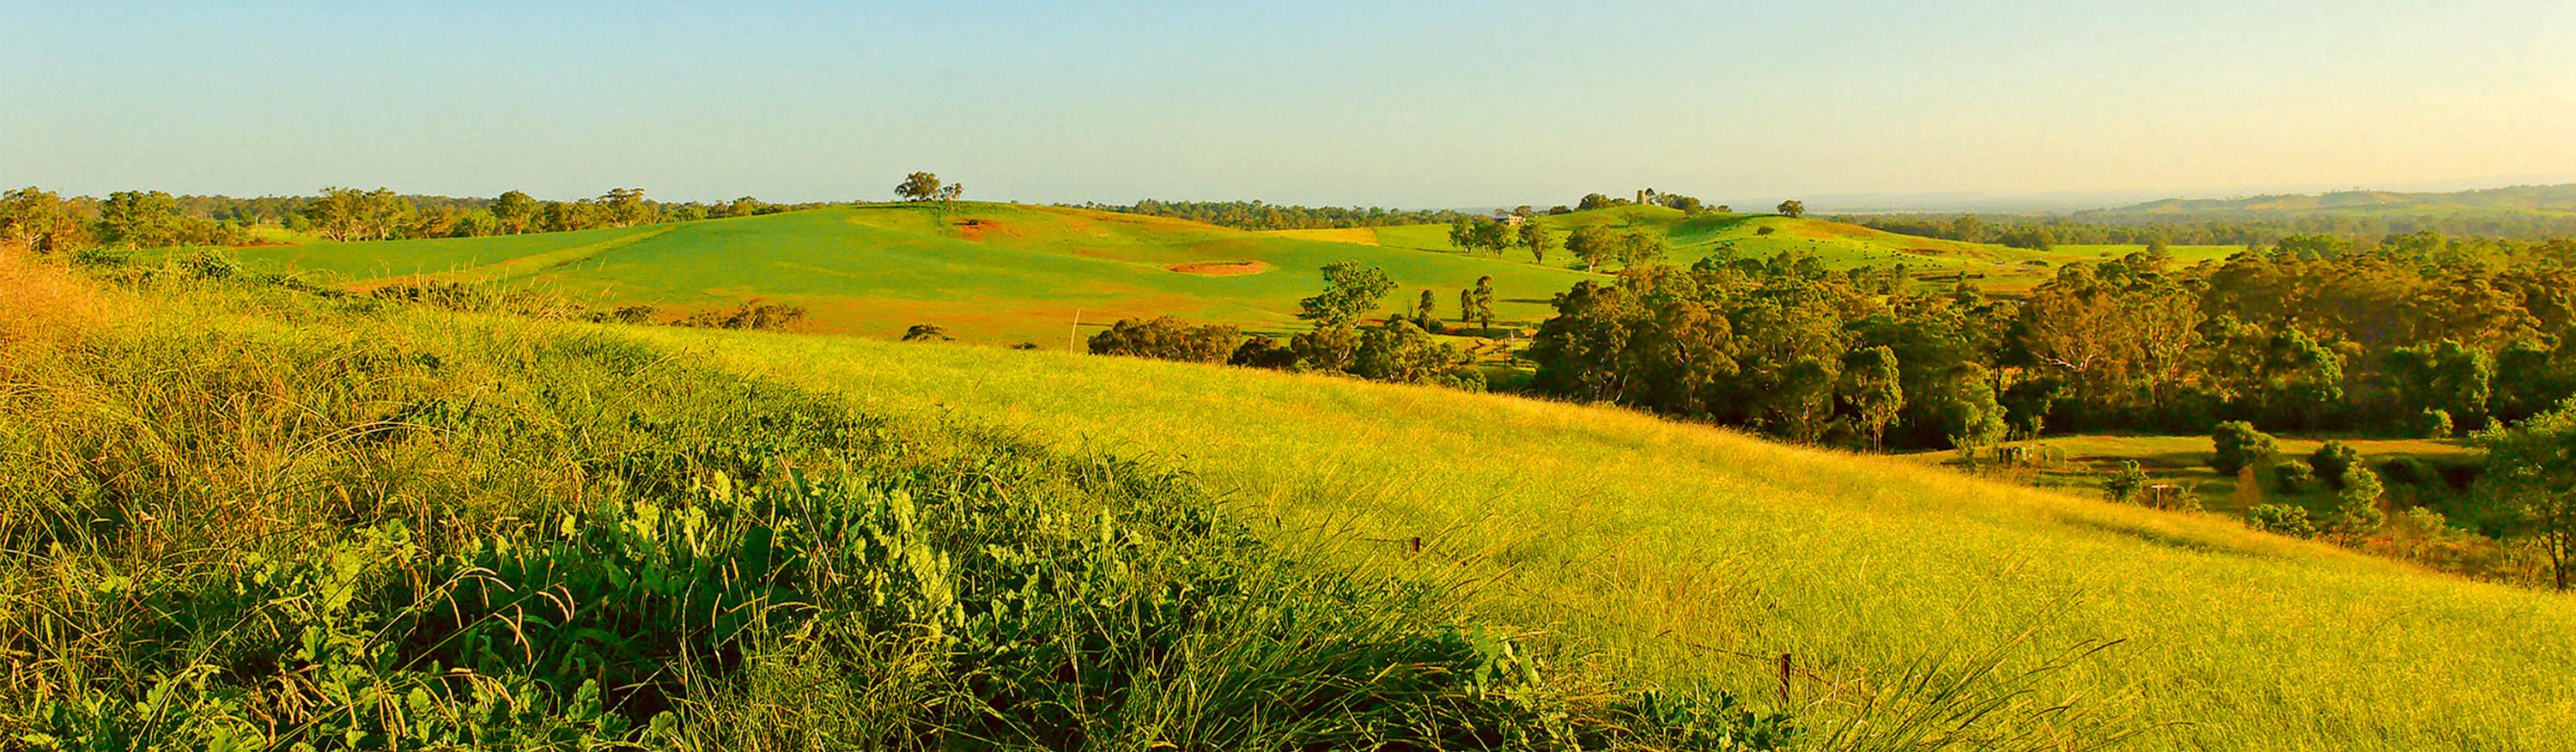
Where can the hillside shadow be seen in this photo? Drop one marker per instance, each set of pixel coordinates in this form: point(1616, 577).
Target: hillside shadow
point(2166, 539)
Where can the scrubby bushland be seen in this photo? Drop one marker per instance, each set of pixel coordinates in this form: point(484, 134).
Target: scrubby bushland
point(1166, 338)
point(269, 519)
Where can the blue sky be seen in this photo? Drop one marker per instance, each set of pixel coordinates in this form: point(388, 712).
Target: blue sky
point(1391, 103)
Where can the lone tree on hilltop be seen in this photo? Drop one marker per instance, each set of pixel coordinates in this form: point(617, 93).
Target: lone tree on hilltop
point(1793, 208)
point(923, 186)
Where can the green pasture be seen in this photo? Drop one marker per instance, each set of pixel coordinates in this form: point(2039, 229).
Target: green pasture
point(987, 272)
point(1692, 553)
point(2077, 464)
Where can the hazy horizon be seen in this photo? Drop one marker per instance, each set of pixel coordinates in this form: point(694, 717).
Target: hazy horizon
point(1344, 104)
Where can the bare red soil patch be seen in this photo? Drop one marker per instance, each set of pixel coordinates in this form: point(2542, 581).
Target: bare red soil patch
point(1221, 268)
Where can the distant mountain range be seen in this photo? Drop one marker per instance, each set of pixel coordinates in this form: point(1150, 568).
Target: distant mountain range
point(2521, 199)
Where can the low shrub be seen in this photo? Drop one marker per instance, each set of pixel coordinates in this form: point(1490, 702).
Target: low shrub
point(2237, 445)
point(2285, 519)
point(927, 333)
point(2292, 478)
point(2333, 460)
point(2125, 483)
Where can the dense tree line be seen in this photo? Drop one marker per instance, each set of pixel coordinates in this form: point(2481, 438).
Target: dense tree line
point(1257, 215)
point(2379, 341)
point(44, 221)
point(2041, 233)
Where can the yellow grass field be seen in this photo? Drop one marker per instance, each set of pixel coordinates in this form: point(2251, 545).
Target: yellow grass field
point(1688, 552)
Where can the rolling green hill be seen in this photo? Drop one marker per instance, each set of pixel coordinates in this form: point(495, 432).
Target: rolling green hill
point(1004, 273)
point(1693, 237)
point(1691, 553)
point(987, 272)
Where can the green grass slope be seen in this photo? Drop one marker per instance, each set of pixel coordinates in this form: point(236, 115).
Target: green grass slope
point(1689, 551)
point(239, 516)
point(987, 272)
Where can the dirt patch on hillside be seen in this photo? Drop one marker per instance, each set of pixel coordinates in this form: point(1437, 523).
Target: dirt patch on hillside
point(973, 229)
point(1221, 268)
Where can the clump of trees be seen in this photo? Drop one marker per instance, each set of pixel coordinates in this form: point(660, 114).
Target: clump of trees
point(1780, 346)
point(1167, 338)
point(1483, 234)
point(924, 186)
point(2365, 342)
point(40, 221)
point(1598, 245)
point(1645, 197)
point(1476, 304)
point(1398, 349)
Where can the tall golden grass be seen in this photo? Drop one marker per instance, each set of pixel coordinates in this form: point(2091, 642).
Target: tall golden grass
point(1685, 551)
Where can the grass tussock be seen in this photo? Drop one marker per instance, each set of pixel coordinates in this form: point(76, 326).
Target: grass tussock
point(42, 302)
point(263, 518)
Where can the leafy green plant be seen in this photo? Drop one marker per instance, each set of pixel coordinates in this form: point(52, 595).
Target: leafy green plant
point(2292, 477)
point(2333, 460)
point(2285, 519)
point(2125, 483)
